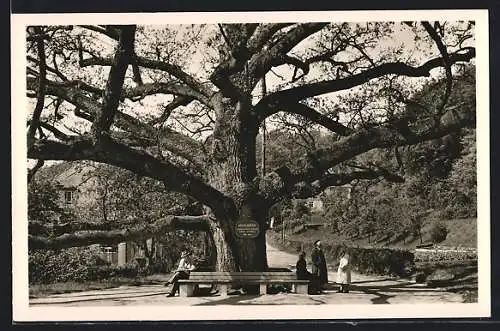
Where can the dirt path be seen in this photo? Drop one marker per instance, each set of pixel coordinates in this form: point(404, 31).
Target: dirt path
point(365, 290)
point(277, 258)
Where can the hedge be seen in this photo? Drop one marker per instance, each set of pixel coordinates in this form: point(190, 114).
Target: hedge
point(74, 264)
point(424, 255)
point(380, 261)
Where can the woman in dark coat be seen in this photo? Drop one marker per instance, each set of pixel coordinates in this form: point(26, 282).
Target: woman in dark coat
point(319, 270)
point(303, 273)
point(301, 268)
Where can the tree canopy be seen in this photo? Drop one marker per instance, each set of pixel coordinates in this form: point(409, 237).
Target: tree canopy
point(183, 105)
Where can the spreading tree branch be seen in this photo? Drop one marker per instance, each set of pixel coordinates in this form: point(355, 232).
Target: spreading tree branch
point(171, 69)
point(263, 61)
point(123, 56)
point(282, 181)
point(295, 94)
point(310, 114)
point(32, 171)
point(41, 88)
point(263, 34)
point(106, 150)
point(175, 142)
point(108, 237)
point(446, 61)
point(177, 102)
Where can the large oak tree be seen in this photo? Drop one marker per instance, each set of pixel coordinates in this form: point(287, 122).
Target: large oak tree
point(184, 105)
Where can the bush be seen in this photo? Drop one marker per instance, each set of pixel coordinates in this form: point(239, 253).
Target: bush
point(437, 254)
point(381, 261)
point(158, 266)
point(73, 264)
point(439, 232)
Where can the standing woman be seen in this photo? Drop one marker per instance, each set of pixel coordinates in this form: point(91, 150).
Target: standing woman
point(344, 273)
point(319, 269)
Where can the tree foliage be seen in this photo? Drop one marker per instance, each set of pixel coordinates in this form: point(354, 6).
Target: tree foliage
point(44, 203)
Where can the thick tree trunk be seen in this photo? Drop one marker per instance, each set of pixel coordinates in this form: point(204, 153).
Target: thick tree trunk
point(232, 171)
point(224, 254)
point(234, 253)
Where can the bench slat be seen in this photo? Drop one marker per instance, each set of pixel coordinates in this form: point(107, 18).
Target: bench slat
point(253, 281)
point(243, 276)
point(245, 273)
point(224, 279)
point(236, 279)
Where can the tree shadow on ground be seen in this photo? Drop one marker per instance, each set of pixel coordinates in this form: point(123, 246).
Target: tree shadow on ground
point(384, 292)
point(231, 300)
point(374, 280)
point(116, 297)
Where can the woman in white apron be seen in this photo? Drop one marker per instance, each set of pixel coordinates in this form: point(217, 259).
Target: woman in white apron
point(344, 273)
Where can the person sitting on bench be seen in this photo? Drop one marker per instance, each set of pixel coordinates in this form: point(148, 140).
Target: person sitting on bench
point(182, 272)
point(301, 270)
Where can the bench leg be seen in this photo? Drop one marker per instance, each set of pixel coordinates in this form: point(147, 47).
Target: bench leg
point(301, 288)
point(263, 289)
point(223, 290)
point(186, 290)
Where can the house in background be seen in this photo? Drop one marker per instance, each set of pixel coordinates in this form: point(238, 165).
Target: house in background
point(316, 203)
point(75, 183)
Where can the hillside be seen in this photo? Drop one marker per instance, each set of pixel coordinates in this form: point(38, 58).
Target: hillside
point(461, 233)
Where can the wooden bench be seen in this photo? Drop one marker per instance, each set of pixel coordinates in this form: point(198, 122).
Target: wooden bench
point(226, 279)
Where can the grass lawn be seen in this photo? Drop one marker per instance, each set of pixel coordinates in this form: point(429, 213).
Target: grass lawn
point(461, 232)
point(41, 290)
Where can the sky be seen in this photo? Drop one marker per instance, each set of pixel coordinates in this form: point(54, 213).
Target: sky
point(177, 40)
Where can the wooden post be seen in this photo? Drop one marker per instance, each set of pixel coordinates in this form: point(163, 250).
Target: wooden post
point(122, 254)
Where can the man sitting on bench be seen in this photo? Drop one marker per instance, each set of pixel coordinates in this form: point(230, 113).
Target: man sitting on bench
point(182, 272)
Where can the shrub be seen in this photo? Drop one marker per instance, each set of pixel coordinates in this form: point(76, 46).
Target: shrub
point(434, 255)
point(439, 232)
point(382, 261)
point(78, 264)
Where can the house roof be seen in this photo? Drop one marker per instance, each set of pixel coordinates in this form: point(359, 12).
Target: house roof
point(67, 174)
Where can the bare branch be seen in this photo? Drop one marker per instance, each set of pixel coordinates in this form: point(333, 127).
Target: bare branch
point(171, 69)
point(283, 182)
point(49, 69)
point(263, 34)
point(177, 102)
point(82, 85)
point(57, 133)
point(106, 150)
point(123, 56)
point(32, 171)
point(88, 237)
point(163, 88)
point(173, 141)
point(41, 88)
point(397, 68)
point(263, 61)
point(446, 61)
point(312, 115)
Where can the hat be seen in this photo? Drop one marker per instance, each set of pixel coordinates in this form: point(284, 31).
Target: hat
point(316, 242)
point(184, 254)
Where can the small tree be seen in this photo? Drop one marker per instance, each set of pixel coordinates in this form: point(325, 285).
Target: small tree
point(416, 227)
point(43, 202)
point(439, 232)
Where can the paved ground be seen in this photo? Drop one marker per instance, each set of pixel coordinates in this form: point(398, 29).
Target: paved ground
point(365, 290)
